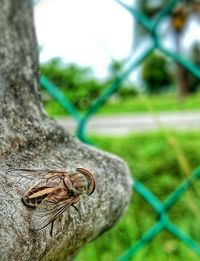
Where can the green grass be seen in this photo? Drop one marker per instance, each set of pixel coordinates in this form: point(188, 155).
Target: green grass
point(156, 103)
point(140, 103)
point(160, 161)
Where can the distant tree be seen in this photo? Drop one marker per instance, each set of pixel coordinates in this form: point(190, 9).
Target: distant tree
point(115, 70)
point(150, 8)
point(155, 73)
point(77, 83)
point(179, 18)
point(193, 81)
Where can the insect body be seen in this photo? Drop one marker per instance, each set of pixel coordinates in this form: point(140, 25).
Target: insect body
point(52, 192)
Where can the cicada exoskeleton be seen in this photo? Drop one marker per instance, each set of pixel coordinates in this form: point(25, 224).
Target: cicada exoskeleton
point(52, 192)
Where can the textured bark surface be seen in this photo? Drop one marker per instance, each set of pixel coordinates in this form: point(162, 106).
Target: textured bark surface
point(29, 139)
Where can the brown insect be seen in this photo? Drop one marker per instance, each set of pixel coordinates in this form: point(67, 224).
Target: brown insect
point(52, 192)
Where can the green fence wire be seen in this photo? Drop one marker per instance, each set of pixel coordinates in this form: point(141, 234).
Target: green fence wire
point(163, 222)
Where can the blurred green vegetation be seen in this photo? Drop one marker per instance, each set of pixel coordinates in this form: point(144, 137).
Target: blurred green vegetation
point(149, 103)
point(194, 83)
point(136, 103)
point(77, 83)
point(156, 73)
point(81, 87)
point(160, 161)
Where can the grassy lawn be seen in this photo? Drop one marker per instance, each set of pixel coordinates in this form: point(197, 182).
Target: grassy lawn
point(156, 103)
point(160, 161)
point(140, 103)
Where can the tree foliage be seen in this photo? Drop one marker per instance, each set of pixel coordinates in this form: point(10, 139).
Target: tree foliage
point(156, 74)
point(77, 83)
point(194, 84)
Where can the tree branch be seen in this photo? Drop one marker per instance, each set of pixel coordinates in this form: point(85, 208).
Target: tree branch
point(29, 139)
point(19, 58)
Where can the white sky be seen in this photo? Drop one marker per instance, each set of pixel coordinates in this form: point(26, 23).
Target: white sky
point(87, 32)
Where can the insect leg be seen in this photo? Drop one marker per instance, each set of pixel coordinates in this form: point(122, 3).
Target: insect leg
point(76, 210)
point(51, 231)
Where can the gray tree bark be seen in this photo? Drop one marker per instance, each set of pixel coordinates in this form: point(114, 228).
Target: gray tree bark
point(29, 139)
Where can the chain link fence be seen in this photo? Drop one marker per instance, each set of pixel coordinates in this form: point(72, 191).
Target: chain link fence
point(163, 221)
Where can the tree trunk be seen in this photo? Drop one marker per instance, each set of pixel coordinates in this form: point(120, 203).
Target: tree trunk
point(182, 76)
point(29, 139)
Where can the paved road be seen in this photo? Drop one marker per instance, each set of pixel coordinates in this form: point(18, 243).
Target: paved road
point(135, 123)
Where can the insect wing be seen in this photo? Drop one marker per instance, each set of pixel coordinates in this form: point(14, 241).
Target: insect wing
point(50, 209)
point(33, 177)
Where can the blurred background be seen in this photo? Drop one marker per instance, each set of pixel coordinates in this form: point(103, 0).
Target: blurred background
point(125, 76)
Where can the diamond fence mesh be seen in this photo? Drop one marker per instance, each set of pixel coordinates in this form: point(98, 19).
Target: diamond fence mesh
point(163, 221)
